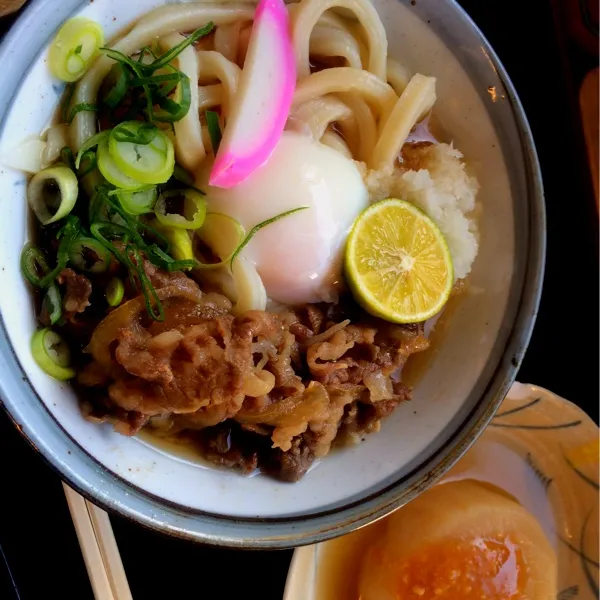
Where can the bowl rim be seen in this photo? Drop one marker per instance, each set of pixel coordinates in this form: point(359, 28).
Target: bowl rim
point(78, 468)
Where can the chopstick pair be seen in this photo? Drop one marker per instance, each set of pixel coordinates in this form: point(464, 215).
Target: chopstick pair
point(99, 548)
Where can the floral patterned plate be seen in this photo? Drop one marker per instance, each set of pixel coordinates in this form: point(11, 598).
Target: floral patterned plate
point(543, 450)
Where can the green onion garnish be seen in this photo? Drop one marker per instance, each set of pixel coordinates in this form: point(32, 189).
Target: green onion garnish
point(81, 107)
point(168, 56)
point(87, 164)
point(156, 88)
point(89, 255)
point(52, 304)
point(33, 265)
point(194, 209)
point(118, 80)
point(214, 129)
point(52, 193)
point(115, 290)
point(66, 156)
point(92, 142)
point(260, 226)
point(52, 354)
point(142, 133)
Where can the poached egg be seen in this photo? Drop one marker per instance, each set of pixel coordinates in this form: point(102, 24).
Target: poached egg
point(299, 257)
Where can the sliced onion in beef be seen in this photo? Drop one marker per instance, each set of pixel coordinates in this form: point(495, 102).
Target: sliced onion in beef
point(259, 383)
point(266, 349)
point(379, 386)
point(323, 337)
point(308, 406)
point(128, 315)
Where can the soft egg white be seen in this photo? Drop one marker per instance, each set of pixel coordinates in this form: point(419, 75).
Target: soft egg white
point(299, 258)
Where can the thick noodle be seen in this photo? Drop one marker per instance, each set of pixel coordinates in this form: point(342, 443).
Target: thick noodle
point(210, 96)
point(416, 101)
point(398, 75)
point(307, 15)
point(349, 95)
point(331, 42)
point(336, 141)
point(346, 79)
point(211, 66)
point(366, 125)
point(188, 132)
point(227, 39)
point(319, 113)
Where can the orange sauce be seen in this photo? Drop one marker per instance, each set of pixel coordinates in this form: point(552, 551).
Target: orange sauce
point(464, 568)
point(493, 569)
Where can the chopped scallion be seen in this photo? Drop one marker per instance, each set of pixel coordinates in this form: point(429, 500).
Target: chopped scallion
point(52, 354)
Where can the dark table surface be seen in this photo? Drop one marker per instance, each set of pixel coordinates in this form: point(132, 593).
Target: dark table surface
point(37, 539)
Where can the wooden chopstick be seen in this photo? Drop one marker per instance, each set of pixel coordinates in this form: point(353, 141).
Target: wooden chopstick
point(99, 548)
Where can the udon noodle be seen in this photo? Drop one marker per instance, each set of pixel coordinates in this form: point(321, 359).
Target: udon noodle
point(370, 96)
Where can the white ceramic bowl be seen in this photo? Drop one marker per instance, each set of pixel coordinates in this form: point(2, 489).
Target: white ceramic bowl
point(466, 380)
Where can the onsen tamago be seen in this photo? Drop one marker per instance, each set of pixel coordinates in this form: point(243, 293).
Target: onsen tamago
point(299, 257)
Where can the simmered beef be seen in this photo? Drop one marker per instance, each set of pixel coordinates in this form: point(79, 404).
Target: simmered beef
point(267, 390)
point(78, 289)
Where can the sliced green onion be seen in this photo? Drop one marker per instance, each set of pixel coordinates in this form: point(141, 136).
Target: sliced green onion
point(66, 102)
point(179, 240)
point(214, 129)
point(100, 231)
point(115, 290)
point(135, 132)
point(111, 171)
point(138, 203)
point(223, 235)
point(153, 302)
point(168, 56)
point(90, 143)
point(172, 78)
point(74, 48)
point(186, 178)
point(52, 194)
point(194, 209)
point(119, 57)
point(67, 234)
point(157, 237)
point(174, 109)
point(52, 354)
point(260, 226)
point(89, 255)
point(66, 156)
point(52, 304)
point(131, 223)
point(169, 85)
point(104, 232)
point(156, 88)
point(149, 163)
point(100, 210)
point(182, 175)
point(115, 85)
point(164, 261)
point(81, 107)
point(33, 265)
point(87, 164)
